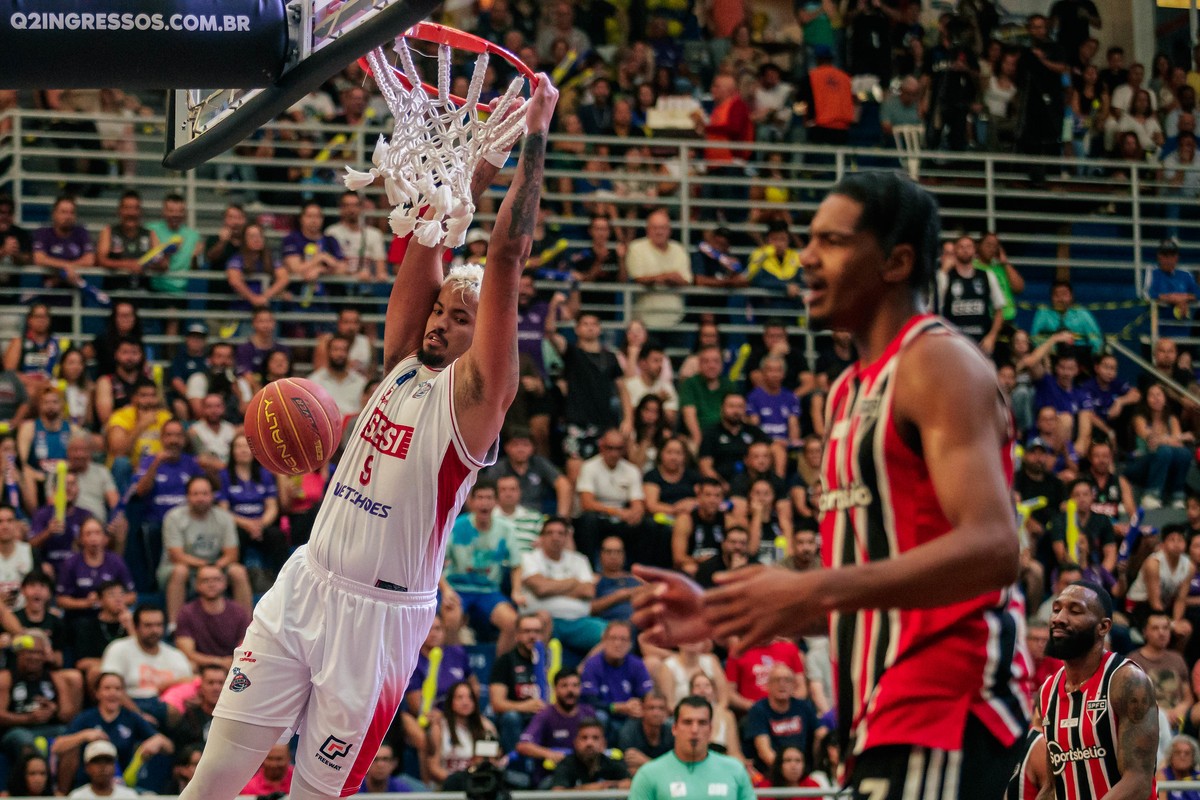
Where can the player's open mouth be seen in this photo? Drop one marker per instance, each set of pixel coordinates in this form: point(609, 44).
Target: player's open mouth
point(815, 290)
point(433, 338)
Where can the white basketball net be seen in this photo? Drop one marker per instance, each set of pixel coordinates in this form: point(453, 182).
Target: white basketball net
point(436, 145)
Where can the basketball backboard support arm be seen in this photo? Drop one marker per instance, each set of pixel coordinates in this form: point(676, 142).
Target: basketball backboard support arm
point(325, 36)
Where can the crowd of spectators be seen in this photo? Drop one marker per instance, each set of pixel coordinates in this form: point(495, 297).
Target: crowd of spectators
point(136, 529)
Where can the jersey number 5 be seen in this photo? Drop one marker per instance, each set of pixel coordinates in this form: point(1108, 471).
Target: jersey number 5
point(364, 477)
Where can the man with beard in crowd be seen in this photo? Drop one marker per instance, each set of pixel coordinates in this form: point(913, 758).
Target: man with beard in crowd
point(120, 247)
point(551, 732)
point(1093, 683)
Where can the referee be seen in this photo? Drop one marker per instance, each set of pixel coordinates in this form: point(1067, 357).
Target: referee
point(690, 771)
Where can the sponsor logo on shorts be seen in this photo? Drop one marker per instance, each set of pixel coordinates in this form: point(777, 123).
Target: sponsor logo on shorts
point(333, 748)
point(240, 682)
point(1059, 758)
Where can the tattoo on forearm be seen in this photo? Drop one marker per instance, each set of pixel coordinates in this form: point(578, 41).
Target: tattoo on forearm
point(525, 207)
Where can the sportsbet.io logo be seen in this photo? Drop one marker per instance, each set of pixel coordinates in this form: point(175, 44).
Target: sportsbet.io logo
point(332, 749)
point(1059, 758)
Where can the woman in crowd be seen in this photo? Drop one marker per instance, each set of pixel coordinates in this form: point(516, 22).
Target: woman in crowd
point(675, 673)
point(123, 323)
point(769, 522)
point(276, 365)
point(79, 389)
point(670, 488)
point(1142, 121)
point(35, 352)
point(1163, 452)
point(790, 771)
point(1183, 764)
point(650, 432)
point(254, 273)
point(30, 777)
point(452, 735)
point(251, 495)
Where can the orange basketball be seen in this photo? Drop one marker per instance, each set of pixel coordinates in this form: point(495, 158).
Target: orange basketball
point(293, 426)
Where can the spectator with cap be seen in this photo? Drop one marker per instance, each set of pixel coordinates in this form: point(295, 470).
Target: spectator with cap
point(100, 764)
point(1036, 479)
point(1169, 285)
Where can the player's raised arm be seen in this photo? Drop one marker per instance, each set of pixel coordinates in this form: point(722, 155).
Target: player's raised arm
point(485, 381)
point(418, 280)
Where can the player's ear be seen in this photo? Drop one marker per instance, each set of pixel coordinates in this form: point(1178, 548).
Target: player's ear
point(1103, 628)
point(899, 264)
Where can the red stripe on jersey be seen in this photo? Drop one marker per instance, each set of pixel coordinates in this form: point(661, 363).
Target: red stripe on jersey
point(908, 677)
point(450, 476)
point(381, 720)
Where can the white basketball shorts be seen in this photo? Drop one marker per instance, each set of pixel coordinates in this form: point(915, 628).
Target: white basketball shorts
point(331, 659)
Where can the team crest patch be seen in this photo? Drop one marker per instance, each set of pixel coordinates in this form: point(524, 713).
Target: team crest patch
point(240, 682)
point(1095, 709)
point(422, 389)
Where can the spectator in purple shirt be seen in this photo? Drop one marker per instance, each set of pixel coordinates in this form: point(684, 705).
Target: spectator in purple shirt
point(614, 681)
point(455, 666)
point(550, 735)
point(1054, 379)
point(1106, 398)
point(160, 485)
point(263, 340)
point(52, 539)
point(308, 254)
point(776, 410)
point(80, 576)
point(63, 247)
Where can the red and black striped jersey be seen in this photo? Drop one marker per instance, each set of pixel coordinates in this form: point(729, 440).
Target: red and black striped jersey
point(1081, 731)
point(908, 677)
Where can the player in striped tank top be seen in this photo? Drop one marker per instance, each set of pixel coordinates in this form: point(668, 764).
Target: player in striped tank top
point(1101, 717)
point(918, 534)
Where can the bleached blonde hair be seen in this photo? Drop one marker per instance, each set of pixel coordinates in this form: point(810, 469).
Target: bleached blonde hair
point(465, 278)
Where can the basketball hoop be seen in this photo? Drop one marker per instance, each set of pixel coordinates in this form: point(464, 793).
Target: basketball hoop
point(438, 138)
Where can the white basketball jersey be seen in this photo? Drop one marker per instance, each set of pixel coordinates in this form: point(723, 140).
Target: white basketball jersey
point(402, 479)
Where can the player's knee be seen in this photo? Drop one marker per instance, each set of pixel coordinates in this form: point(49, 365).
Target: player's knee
point(237, 572)
point(180, 573)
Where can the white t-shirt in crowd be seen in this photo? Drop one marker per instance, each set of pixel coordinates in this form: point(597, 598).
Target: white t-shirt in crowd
point(617, 487)
point(570, 565)
point(346, 392)
point(142, 671)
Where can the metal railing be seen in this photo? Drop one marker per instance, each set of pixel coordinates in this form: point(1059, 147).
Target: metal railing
point(1098, 217)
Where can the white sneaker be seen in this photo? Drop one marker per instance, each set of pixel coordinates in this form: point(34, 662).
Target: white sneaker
point(1151, 502)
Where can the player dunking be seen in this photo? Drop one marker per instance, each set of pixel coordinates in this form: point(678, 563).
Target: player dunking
point(1101, 720)
point(917, 529)
point(333, 644)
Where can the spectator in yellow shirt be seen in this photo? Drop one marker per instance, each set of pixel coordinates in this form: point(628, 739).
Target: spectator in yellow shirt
point(776, 267)
point(133, 431)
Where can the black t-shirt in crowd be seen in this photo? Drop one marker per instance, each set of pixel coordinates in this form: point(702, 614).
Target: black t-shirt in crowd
point(868, 46)
point(52, 625)
point(517, 674)
point(1074, 23)
point(572, 772)
point(728, 448)
point(92, 634)
point(591, 387)
point(950, 87)
point(671, 493)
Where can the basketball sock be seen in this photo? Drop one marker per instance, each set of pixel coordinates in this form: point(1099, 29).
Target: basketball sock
point(234, 752)
point(303, 790)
